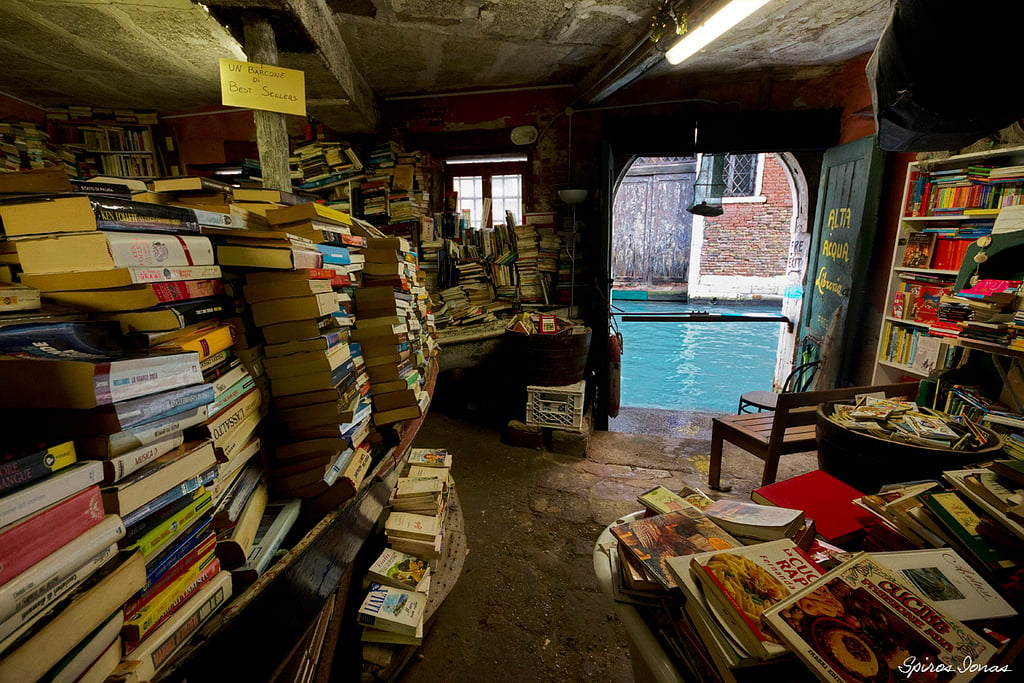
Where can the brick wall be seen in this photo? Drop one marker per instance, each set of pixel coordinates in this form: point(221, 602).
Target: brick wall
point(751, 239)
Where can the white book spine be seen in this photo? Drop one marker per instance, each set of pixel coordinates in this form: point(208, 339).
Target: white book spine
point(144, 275)
point(122, 442)
point(160, 645)
point(120, 467)
point(56, 567)
point(228, 380)
point(269, 539)
point(142, 376)
point(25, 501)
point(133, 250)
point(18, 623)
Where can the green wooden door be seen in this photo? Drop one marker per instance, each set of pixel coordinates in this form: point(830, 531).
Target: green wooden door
point(843, 237)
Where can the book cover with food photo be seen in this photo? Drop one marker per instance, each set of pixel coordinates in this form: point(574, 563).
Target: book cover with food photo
point(861, 623)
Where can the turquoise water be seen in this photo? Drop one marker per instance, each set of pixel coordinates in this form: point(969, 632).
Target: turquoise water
point(695, 366)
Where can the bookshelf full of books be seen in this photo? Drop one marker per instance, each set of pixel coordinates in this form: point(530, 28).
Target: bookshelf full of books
point(185, 402)
point(108, 142)
point(952, 283)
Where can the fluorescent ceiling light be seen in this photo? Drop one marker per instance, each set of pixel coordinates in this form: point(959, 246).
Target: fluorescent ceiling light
point(489, 159)
point(720, 22)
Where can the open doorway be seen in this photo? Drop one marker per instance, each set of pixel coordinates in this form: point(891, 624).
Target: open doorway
point(747, 262)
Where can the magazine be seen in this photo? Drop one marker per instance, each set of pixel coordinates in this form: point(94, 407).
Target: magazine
point(860, 622)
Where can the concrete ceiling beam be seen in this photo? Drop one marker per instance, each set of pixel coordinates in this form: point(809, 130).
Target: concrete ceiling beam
point(338, 94)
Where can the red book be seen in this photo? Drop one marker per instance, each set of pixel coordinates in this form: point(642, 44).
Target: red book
point(135, 297)
point(27, 541)
point(822, 497)
point(143, 597)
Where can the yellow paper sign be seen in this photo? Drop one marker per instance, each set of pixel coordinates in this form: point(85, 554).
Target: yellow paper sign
point(262, 86)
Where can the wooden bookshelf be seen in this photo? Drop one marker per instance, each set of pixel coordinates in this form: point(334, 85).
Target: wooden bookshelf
point(264, 627)
point(113, 149)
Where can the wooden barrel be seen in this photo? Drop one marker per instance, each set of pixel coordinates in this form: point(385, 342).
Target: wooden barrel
point(867, 462)
point(554, 360)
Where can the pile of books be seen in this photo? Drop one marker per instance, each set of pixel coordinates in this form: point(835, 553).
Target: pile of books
point(395, 606)
point(776, 606)
point(905, 421)
point(398, 582)
point(421, 534)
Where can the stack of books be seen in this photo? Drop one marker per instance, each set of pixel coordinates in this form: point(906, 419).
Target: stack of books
point(405, 580)
point(142, 476)
point(422, 491)
point(392, 330)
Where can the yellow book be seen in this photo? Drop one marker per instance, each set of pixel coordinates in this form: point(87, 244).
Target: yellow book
point(146, 619)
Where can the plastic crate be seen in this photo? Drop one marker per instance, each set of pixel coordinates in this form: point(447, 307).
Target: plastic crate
point(556, 406)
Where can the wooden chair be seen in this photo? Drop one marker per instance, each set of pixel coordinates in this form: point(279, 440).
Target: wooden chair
point(790, 428)
point(799, 379)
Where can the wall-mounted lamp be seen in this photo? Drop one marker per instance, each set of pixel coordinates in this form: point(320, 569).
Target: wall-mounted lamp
point(721, 21)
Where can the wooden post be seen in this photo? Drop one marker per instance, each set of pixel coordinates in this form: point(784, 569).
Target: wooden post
point(271, 127)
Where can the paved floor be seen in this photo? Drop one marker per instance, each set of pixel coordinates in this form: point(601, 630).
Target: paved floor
point(527, 606)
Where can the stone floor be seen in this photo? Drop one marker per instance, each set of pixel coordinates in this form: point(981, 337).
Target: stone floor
point(527, 606)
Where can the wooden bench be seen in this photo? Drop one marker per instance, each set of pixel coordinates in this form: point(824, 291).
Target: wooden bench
point(790, 428)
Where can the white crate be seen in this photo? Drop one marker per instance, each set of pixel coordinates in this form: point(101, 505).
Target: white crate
point(556, 406)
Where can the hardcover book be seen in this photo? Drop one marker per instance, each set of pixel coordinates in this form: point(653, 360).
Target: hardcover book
point(918, 252)
point(823, 498)
point(108, 250)
point(137, 297)
point(393, 609)
point(309, 210)
point(960, 522)
point(860, 623)
point(87, 213)
point(945, 578)
point(172, 316)
point(653, 540)
point(283, 257)
point(67, 383)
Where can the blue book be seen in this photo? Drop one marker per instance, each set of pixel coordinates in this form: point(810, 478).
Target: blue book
point(185, 488)
point(335, 255)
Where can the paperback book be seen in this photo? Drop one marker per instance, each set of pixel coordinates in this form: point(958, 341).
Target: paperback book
point(653, 540)
point(393, 609)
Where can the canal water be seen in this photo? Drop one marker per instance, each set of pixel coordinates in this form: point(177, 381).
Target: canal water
point(691, 366)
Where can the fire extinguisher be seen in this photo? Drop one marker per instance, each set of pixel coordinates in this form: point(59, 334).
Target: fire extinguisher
point(614, 372)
